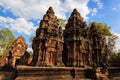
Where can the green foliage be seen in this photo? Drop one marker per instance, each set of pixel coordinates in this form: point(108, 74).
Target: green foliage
point(104, 29)
point(1, 53)
point(115, 57)
point(6, 37)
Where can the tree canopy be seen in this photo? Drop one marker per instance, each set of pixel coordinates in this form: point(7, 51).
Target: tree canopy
point(116, 56)
point(104, 29)
point(6, 37)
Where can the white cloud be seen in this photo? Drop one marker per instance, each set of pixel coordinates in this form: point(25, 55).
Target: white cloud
point(114, 9)
point(99, 3)
point(35, 9)
point(94, 11)
point(81, 5)
point(99, 6)
point(19, 25)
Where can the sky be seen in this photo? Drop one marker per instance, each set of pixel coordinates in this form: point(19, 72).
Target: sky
point(22, 17)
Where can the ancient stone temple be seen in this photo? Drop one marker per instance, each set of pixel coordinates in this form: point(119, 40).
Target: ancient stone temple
point(82, 46)
point(80, 49)
point(76, 46)
point(17, 51)
point(48, 42)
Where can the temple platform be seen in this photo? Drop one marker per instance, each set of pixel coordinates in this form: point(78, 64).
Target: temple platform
point(114, 73)
point(56, 73)
point(52, 73)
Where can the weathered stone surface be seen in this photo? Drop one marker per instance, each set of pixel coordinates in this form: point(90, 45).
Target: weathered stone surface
point(48, 42)
point(83, 48)
point(100, 75)
point(7, 74)
point(76, 46)
point(52, 73)
point(98, 46)
point(114, 63)
point(3, 61)
point(80, 47)
point(24, 60)
point(114, 73)
point(18, 49)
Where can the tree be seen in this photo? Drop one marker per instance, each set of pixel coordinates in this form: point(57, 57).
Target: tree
point(110, 37)
point(111, 43)
point(103, 29)
point(6, 37)
point(116, 56)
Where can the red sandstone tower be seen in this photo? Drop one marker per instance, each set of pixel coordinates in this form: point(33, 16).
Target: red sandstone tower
point(82, 46)
point(76, 46)
point(48, 42)
point(98, 46)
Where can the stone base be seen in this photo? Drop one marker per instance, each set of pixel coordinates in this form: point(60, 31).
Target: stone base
point(52, 73)
point(114, 73)
point(7, 74)
point(100, 75)
point(58, 73)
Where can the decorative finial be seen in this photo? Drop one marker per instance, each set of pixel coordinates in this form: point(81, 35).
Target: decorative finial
point(50, 10)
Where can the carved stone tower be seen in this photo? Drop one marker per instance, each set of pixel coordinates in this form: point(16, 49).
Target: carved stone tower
point(76, 46)
point(48, 42)
point(98, 45)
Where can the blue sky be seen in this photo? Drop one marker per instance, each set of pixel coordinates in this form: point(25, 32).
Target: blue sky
point(22, 17)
